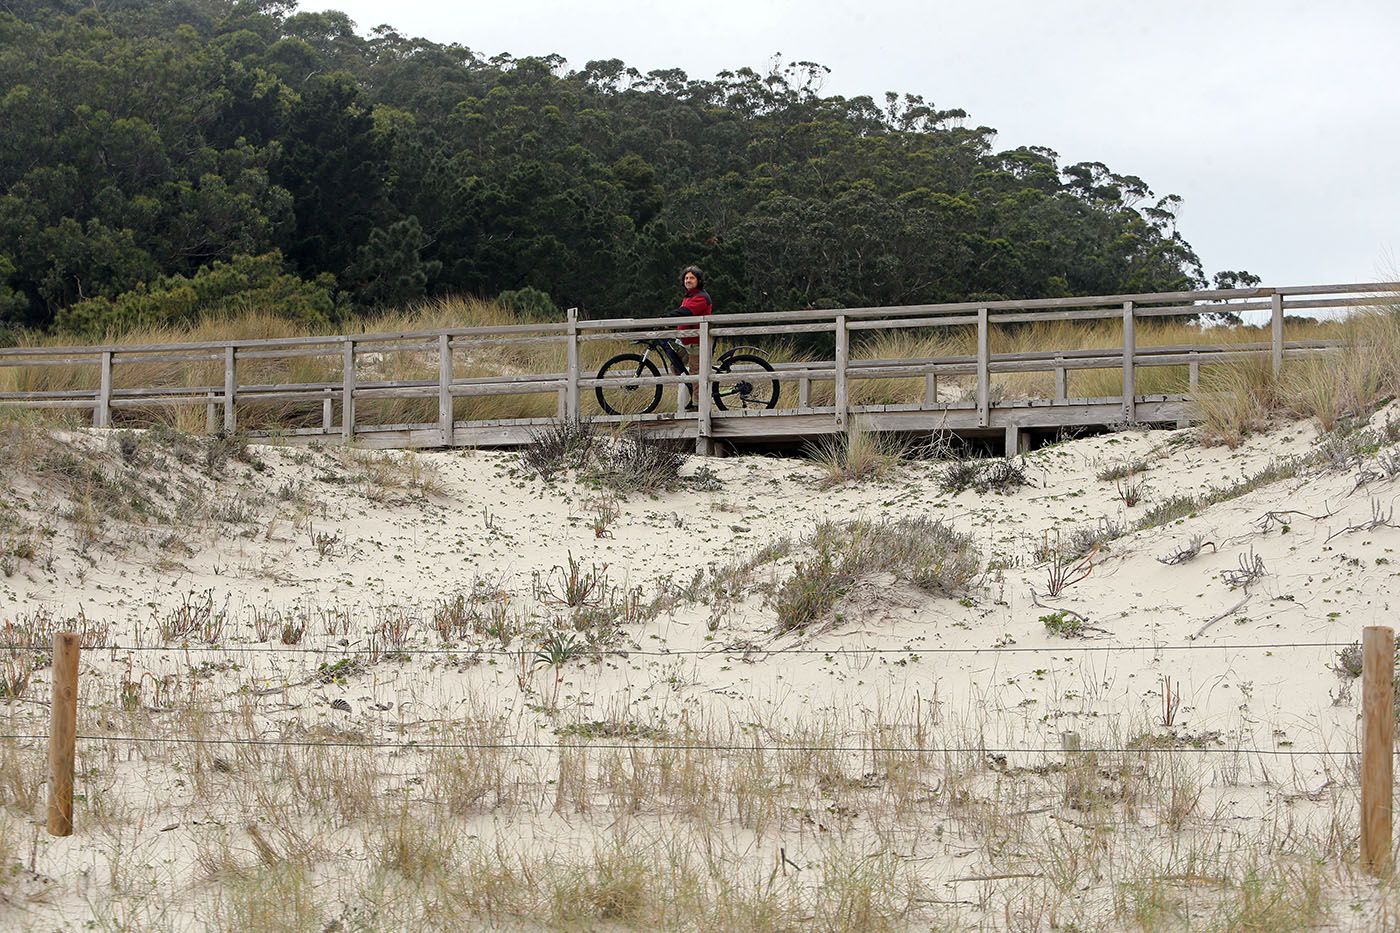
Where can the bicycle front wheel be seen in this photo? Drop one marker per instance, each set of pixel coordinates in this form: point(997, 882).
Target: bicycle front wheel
point(756, 390)
point(628, 398)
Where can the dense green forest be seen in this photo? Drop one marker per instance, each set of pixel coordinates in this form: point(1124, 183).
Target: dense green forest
point(161, 160)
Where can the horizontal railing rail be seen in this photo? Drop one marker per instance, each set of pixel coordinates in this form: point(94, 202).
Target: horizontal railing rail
point(417, 366)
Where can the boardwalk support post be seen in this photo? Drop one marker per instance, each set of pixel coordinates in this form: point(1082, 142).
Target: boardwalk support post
point(102, 413)
point(571, 409)
point(347, 393)
point(1276, 312)
point(843, 352)
point(1129, 352)
point(703, 395)
point(1377, 746)
point(445, 414)
point(230, 389)
point(984, 370)
point(63, 733)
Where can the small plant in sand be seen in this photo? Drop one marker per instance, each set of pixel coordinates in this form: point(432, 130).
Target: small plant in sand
point(605, 512)
point(195, 617)
point(854, 457)
point(638, 463)
point(326, 543)
point(15, 672)
point(560, 445)
point(573, 586)
point(1002, 477)
point(395, 625)
point(1130, 488)
point(928, 554)
point(1249, 572)
point(452, 617)
point(1122, 470)
point(556, 651)
point(293, 629)
point(1187, 552)
point(959, 476)
point(1064, 624)
point(1066, 566)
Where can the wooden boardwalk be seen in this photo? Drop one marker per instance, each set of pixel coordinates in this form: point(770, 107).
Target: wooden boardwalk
point(347, 380)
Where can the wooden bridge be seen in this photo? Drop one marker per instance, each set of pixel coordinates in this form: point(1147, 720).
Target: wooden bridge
point(451, 388)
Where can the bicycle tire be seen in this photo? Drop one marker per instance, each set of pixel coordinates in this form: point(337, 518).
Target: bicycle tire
point(622, 399)
point(750, 394)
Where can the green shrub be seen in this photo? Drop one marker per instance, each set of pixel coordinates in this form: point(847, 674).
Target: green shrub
point(529, 303)
point(224, 289)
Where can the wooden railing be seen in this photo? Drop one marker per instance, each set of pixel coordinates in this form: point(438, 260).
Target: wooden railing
point(172, 370)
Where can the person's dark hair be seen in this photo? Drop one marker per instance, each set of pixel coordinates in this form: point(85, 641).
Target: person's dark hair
point(699, 276)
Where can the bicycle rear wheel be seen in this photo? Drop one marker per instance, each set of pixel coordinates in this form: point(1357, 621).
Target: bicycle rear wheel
point(628, 398)
point(755, 391)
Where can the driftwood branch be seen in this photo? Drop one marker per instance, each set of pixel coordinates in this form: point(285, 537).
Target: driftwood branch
point(1231, 611)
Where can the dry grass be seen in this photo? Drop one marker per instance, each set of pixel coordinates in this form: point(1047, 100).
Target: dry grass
point(832, 821)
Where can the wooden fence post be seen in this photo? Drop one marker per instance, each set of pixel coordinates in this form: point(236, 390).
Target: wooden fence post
point(445, 418)
point(102, 414)
point(984, 369)
point(63, 733)
point(1129, 374)
point(571, 401)
point(930, 390)
point(804, 393)
point(703, 446)
point(230, 389)
point(843, 352)
point(347, 392)
point(1377, 746)
point(1276, 307)
point(1061, 380)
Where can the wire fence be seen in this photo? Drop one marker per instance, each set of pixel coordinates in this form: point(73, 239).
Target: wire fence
point(715, 651)
point(870, 748)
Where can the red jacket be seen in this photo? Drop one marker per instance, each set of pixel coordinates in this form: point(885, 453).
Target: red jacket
point(696, 304)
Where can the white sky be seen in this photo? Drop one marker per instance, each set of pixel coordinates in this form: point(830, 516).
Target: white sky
point(1276, 121)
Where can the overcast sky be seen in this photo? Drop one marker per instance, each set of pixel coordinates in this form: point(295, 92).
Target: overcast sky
point(1277, 121)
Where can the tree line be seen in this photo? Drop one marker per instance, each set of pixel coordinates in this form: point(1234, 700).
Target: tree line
point(167, 160)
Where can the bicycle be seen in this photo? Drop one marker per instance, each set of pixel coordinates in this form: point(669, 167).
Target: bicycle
point(623, 398)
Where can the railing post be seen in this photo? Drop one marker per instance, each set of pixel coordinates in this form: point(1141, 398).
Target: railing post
point(1193, 373)
point(445, 389)
point(1276, 307)
point(1061, 380)
point(102, 413)
point(984, 369)
point(327, 412)
point(843, 351)
point(930, 390)
point(1377, 746)
point(804, 393)
point(211, 413)
point(347, 392)
point(230, 389)
point(571, 402)
point(1129, 352)
point(703, 399)
point(63, 732)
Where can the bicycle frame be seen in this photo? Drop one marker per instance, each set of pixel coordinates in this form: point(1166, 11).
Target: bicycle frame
point(666, 347)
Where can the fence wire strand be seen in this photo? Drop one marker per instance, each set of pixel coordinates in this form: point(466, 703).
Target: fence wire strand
point(688, 746)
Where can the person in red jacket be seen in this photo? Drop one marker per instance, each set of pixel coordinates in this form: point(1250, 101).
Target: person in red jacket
point(697, 304)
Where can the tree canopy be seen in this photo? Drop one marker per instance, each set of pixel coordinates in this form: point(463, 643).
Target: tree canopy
point(178, 148)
